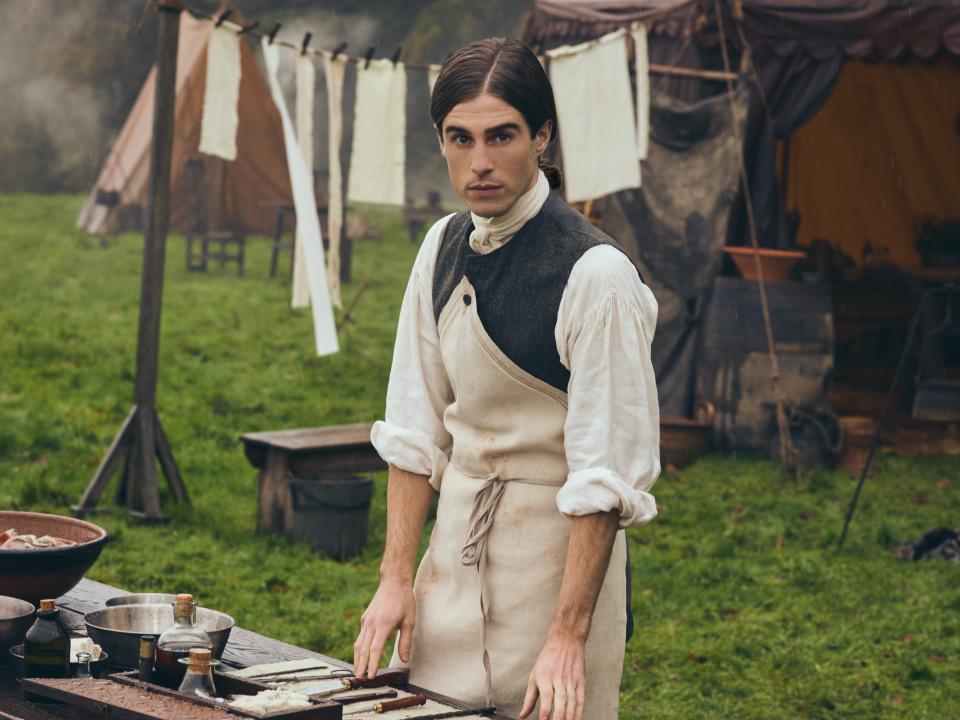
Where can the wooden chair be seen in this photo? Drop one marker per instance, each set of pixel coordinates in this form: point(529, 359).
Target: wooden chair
point(203, 243)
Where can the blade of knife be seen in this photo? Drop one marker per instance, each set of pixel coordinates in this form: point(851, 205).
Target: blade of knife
point(364, 697)
point(457, 713)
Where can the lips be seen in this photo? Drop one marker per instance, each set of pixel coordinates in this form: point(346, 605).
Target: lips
point(484, 188)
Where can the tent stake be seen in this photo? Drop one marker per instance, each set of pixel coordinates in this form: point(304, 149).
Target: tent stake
point(141, 440)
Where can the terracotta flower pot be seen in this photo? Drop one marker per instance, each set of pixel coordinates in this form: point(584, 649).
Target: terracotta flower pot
point(776, 264)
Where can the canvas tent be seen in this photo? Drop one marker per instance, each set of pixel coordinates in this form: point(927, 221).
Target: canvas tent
point(884, 73)
point(236, 195)
point(852, 121)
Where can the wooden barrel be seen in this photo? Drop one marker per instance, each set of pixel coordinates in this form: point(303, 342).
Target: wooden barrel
point(733, 368)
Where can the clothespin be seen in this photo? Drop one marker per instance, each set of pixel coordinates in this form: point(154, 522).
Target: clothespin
point(395, 58)
point(273, 33)
point(223, 16)
point(339, 49)
point(306, 42)
point(369, 56)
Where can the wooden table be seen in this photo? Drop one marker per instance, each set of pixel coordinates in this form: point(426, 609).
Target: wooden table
point(244, 648)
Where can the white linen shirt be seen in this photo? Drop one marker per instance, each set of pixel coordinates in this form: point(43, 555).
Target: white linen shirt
point(604, 328)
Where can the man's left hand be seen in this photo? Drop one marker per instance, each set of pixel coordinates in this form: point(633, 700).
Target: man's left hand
point(558, 679)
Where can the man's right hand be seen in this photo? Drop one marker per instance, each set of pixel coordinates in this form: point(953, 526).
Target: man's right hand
point(392, 606)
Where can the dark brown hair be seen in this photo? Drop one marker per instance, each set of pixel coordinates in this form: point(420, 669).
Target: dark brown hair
point(507, 69)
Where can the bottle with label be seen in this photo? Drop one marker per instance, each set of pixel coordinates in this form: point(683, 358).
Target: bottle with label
point(175, 643)
point(198, 679)
point(46, 648)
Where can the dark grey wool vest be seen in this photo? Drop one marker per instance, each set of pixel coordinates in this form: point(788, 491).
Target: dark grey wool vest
point(519, 286)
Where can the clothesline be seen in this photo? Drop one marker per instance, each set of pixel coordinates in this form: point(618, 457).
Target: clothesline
point(304, 49)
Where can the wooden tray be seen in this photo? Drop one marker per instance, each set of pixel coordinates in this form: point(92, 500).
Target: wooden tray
point(126, 697)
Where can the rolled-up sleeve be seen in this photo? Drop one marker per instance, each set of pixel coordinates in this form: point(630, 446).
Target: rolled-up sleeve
point(612, 433)
point(412, 436)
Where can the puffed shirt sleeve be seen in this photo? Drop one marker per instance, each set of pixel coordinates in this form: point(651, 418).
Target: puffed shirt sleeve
point(604, 329)
point(412, 436)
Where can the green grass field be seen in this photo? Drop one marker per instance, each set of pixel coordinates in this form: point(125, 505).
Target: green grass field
point(728, 624)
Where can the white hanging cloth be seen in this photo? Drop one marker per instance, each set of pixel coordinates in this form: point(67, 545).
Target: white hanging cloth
point(642, 64)
point(334, 69)
point(306, 80)
point(218, 125)
point(308, 224)
point(433, 72)
point(378, 156)
point(595, 110)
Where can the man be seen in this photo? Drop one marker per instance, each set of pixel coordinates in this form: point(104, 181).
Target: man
point(521, 391)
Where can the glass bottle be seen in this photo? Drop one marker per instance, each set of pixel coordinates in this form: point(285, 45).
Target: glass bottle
point(198, 679)
point(83, 666)
point(46, 648)
point(175, 643)
point(148, 645)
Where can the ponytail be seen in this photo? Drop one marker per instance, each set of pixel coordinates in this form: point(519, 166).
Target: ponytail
point(553, 173)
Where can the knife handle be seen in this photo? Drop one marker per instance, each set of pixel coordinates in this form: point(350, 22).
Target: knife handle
point(411, 701)
point(396, 676)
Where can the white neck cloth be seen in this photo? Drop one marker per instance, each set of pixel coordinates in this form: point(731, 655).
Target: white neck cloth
point(491, 233)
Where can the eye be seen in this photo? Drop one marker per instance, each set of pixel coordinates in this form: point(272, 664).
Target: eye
point(502, 138)
point(461, 139)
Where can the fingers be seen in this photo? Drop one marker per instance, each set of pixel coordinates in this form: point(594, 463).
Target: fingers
point(406, 638)
point(361, 650)
point(376, 649)
point(579, 699)
point(559, 703)
point(546, 700)
point(530, 699)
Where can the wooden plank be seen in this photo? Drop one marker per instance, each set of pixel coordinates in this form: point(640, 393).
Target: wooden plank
point(117, 451)
point(313, 438)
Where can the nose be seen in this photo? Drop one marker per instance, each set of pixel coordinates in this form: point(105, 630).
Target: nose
point(480, 162)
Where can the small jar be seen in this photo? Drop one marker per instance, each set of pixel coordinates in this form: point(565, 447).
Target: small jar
point(198, 679)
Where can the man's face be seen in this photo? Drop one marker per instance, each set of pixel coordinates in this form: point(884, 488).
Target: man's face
point(491, 158)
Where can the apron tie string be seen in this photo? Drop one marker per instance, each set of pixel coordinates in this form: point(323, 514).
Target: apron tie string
point(474, 552)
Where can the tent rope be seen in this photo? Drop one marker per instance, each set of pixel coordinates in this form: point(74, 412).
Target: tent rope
point(787, 450)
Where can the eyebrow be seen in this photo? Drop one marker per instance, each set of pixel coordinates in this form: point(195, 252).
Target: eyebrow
point(455, 129)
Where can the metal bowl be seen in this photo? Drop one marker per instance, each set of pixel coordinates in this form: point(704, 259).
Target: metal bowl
point(16, 616)
point(98, 668)
point(32, 575)
point(118, 629)
point(142, 599)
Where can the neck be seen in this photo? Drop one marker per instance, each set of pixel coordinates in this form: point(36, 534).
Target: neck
point(490, 233)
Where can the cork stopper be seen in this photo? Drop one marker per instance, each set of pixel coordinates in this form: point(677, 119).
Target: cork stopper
point(47, 605)
point(184, 598)
point(200, 655)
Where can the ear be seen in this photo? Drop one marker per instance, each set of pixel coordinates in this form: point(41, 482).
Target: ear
point(440, 141)
point(542, 139)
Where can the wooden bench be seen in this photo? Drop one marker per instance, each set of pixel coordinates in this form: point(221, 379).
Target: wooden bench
point(307, 452)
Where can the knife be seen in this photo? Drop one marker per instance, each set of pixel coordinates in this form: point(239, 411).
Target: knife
point(364, 697)
point(406, 702)
point(396, 676)
point(457, 713)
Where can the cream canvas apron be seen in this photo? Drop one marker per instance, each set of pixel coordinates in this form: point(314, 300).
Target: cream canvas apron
point(499, 544)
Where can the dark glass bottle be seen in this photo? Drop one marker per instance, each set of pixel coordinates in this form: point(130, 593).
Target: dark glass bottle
point(175, 643)
point(148, 645)
point(46, 648)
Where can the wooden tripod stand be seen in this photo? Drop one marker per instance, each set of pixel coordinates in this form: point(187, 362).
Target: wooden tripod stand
point(141, 440)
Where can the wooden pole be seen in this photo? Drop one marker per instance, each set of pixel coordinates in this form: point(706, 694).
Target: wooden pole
point(141, 437)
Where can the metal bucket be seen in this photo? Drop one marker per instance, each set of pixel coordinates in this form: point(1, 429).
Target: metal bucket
point(331, 512)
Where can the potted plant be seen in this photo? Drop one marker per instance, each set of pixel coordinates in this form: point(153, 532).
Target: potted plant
point(938, 243)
